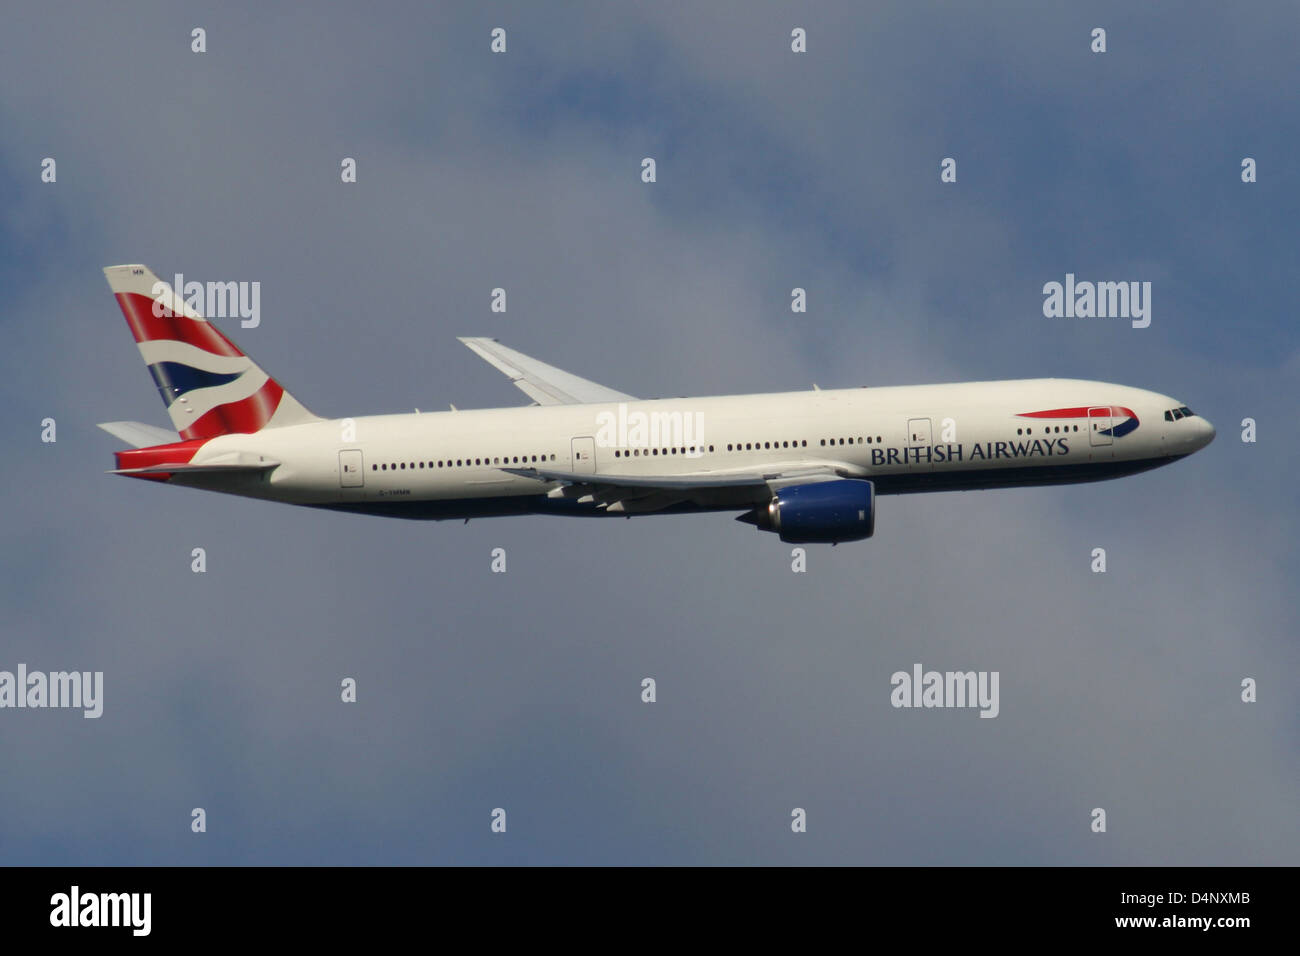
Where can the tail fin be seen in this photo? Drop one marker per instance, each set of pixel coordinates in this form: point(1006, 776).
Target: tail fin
point(209, 386)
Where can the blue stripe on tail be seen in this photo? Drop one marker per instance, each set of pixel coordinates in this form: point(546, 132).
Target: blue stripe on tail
point(174, 379)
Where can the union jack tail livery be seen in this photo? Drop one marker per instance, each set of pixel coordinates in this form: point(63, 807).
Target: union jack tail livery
point(209, 386)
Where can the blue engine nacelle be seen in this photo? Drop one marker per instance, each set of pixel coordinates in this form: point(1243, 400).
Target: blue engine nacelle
point(825, 511)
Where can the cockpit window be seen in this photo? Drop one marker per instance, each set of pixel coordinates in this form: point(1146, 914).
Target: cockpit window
point(1187, 412)
point(1169, 415)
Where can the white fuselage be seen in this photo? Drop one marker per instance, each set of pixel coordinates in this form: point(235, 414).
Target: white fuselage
point(905, 439)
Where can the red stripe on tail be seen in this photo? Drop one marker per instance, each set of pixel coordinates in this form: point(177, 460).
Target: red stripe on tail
point(147, 327)
point(245, 416)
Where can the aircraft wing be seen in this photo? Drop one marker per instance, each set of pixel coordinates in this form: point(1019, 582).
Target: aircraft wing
point(637, 493)
point(140, 435)
point(544, 384)
point(683, 483)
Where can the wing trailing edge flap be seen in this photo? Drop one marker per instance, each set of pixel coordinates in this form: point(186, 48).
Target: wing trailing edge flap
point(633, 494)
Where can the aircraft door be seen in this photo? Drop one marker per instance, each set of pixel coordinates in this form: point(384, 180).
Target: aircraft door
point(351, 469)
point(1099, 426)
point(584, 455)
point(920, 437)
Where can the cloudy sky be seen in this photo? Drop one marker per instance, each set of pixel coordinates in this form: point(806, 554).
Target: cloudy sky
point(522, 690)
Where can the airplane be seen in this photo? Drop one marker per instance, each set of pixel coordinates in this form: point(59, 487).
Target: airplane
point(804, 465)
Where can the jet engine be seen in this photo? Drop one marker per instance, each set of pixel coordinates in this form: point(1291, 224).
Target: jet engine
point(821, 512)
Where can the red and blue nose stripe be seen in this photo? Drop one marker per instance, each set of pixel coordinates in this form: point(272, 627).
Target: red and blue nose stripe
point(1116, 430)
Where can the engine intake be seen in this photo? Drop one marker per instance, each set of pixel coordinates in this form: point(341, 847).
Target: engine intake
point(821, 512)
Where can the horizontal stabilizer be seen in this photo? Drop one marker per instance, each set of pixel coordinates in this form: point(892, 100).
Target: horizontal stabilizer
point(140, 435)
point(185, 468)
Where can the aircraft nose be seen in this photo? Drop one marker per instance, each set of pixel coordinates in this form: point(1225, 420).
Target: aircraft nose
point(1204, 432)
